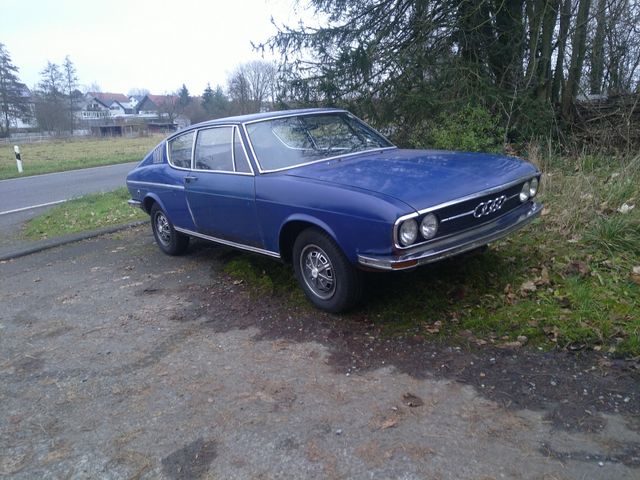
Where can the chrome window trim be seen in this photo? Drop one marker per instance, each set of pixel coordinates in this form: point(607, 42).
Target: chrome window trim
point(155, 184)
point(246, 154)
point(193, 148)
point(299, 114)
point(233, 150)
point(193, 152)
point(229, 243)
point(481, 193)
point(321, 112)
point(169, 140)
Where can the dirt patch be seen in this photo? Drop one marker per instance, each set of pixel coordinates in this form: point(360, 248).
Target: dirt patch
point(575, 388)
point(191, 461)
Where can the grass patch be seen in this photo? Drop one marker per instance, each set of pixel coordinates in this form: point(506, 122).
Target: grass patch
point(564, 282)
point(86, 213)
point(71, 154)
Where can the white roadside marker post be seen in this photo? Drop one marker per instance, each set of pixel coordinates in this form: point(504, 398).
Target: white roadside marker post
point(16, 149)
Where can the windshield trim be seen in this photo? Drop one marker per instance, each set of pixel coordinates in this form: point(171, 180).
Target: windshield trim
point(321, 112)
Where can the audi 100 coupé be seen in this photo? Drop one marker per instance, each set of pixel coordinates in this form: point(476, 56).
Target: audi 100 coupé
point(322, 190)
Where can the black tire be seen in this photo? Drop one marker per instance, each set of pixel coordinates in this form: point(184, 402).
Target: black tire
point(168, 239)
point(324, 273)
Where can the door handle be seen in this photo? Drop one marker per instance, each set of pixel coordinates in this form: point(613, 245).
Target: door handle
point(189, 179)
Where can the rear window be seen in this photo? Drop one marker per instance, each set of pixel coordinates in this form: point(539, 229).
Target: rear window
point(180, 150)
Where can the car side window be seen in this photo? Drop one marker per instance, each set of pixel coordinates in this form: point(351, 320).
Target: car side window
point(213, 149)
point(180, 150)
point(239, 155)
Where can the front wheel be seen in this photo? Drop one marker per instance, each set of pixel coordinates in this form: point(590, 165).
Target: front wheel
point(325, 274)
point(168, 239)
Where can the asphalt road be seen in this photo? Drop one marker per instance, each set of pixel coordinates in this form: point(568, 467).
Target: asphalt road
point(120, 362)
point(22, 194)
point(26, 197)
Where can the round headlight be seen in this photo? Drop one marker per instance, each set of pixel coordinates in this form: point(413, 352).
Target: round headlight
point(408, 232)
point(429, 226)
point(533, 187)
point(524, 193)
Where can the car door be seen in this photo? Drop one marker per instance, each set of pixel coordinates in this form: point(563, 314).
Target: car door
point(220, 189)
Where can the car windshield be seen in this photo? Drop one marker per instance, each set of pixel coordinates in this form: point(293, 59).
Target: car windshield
point(296, 140)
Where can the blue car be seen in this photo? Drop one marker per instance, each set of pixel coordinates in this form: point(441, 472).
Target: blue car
point(320, 189)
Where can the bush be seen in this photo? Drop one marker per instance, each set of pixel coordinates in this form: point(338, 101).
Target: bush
point(471, 129)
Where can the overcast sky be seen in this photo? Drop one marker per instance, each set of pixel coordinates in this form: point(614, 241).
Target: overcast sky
point(151, 44)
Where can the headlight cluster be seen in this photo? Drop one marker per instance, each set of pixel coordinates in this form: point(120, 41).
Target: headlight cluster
point(409, 229)
point(529, 189)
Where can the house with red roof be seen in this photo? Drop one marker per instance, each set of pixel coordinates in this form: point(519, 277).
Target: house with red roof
point(158, 106)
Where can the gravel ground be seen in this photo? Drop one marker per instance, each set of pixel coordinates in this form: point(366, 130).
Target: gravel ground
point(119, 362)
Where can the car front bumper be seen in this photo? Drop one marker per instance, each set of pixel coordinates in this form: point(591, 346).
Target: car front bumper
point(455, 244)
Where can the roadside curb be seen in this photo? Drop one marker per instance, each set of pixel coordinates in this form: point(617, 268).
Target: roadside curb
point(10, 254)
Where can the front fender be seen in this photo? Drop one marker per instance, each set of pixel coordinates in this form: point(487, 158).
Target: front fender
point(303, 217)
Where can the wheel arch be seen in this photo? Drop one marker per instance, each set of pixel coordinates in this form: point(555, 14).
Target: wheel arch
point(149, 200)
point(292, 227)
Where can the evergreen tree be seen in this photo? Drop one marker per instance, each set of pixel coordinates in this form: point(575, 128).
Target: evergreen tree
point(14, 101)
point(207, 98)
point(214, 102)
point(184, 98)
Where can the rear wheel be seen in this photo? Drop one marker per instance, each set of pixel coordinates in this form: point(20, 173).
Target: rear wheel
point(324, 273)
point(168, 239)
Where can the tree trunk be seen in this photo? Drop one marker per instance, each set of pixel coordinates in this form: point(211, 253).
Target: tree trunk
point(507, 56)
point(558, 76)
point(474, 33)
point(534, 15)
point(577, 58)
point(597, 50)
point(549, 17)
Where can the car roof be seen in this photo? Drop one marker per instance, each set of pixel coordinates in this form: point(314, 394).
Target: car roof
point(263, 116)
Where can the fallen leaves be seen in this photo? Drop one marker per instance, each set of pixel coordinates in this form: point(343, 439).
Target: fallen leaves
point(577, 267)
point(552, 333)
point(388, 423)
point(543, 279)
point(434, 327)
point(412, 400)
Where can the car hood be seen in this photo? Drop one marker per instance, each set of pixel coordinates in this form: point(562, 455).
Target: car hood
point(419, 178)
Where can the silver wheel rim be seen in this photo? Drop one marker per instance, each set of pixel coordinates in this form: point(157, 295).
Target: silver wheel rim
point(163, 229)
point(317, 272)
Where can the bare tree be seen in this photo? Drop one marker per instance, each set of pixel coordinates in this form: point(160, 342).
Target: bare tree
point(252, 85)
point(168, 106)
point(137, 92)
point(70, 87)
point(50, 104)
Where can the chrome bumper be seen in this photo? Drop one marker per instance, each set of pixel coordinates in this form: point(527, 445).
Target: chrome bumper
point(456, 244)
point(135, 203)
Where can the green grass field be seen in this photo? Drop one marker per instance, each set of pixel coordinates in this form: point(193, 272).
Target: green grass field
point(62, 155)
point(90, 212)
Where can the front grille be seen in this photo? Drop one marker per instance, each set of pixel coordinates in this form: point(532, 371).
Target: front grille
point(458, 217)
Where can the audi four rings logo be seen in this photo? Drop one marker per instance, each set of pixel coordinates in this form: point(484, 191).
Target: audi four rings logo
point(488, 207)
